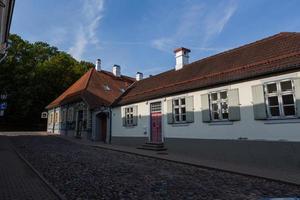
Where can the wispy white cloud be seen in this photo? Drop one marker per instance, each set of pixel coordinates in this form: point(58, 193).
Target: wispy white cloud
point(92, 14)
point(162, 44)
point(58, 35)
point(217, 20)
point(197, 25)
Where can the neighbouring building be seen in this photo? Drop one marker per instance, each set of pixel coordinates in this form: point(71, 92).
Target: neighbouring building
point(250, 93)
point(83, 110)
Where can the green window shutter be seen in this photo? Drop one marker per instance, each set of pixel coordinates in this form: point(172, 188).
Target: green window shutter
point(189, 109)
point(297, 95)
point(170, 111)
point(123, 117)
point(135, 115)
point(259, 105)
point(234, 105)
point(205, 108)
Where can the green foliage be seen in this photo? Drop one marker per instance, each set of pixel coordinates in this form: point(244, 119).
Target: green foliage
point(34, 74)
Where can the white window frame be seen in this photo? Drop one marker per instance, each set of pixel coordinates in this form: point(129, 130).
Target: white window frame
point(219, 102)
point(179, 107)
point(129, 116)
point(279, 95)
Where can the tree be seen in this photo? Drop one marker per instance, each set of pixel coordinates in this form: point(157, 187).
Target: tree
point(33, 75)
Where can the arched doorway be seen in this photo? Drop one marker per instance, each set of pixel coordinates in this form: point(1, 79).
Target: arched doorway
point(101, 131)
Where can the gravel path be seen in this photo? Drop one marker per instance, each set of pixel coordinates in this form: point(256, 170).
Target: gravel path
point(83, 172)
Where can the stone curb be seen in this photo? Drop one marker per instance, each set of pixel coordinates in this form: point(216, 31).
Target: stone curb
point(186, 163)
point(52, 188)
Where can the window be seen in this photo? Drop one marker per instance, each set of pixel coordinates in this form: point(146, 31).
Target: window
point(63, 116)
point(218, 105)
point(106, 87)
point(70, 114)
point(129, 116)
point(179, 110)
point(280, 99)
point(56, 117)
point(50, 119)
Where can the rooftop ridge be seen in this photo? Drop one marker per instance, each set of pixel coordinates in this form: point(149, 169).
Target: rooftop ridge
point(218, 73)
point(112, 75)
point(89, 78)
point(245, 46)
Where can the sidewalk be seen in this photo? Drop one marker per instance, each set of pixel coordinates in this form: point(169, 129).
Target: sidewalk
point(277, 175)
point(17, 180)
point(20, 133)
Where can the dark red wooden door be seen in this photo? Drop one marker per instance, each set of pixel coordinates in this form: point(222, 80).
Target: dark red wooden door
point(156, 136)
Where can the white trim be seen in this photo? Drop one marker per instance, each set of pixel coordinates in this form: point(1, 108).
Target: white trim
point(279, 93)
point(219, 102)
point(179, 106)
point(162, 121)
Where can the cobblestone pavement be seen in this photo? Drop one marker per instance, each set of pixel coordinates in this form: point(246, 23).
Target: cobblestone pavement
point(84, 172)
point(17, 180)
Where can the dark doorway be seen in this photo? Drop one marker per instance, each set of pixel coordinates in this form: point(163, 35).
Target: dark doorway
point(79, 124)
point(102, 121)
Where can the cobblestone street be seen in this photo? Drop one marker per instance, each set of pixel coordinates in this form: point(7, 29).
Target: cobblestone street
point(83, 172)
point(17, 180)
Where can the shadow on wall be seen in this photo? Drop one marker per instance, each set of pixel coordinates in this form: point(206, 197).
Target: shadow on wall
point(248, 142)
point(241, 125)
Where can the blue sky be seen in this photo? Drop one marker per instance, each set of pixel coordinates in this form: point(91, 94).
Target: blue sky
point(140, 35)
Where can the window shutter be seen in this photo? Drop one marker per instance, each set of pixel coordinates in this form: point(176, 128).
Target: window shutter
point(189, 109)
point(234, 105)
point(170, 111)
point(297, 95)
point(259, 106)
point(205, 108)
point(135, 115)
point(123, 117)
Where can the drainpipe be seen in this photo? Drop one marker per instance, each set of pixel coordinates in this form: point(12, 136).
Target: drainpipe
point(67, 121)
point(53, 122)
point(110, 123)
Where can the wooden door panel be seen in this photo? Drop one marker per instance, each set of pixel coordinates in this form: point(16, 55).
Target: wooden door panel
point(156, 127)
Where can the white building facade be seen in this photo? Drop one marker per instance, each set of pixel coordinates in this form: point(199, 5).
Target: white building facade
point(262, 109)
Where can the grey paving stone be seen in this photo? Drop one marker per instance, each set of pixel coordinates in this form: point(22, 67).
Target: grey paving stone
point(17, 180)
point(85, 172)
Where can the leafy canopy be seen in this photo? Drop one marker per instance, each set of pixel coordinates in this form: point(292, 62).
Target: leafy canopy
point(34, 74)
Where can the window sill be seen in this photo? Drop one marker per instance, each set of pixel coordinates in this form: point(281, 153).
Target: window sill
point(179, 124)
point(282, 121)
point(132, 126)
point(218, 123)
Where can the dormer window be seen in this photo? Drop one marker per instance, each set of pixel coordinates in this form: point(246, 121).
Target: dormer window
point(106, 88)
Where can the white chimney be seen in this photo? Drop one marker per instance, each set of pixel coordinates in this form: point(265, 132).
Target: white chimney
point(117, 70)
point(98, 65)
point(139, 76)
point(182, 57)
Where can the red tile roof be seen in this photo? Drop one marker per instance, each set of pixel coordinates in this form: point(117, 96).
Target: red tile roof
point(278, 53)
point(91, 88)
